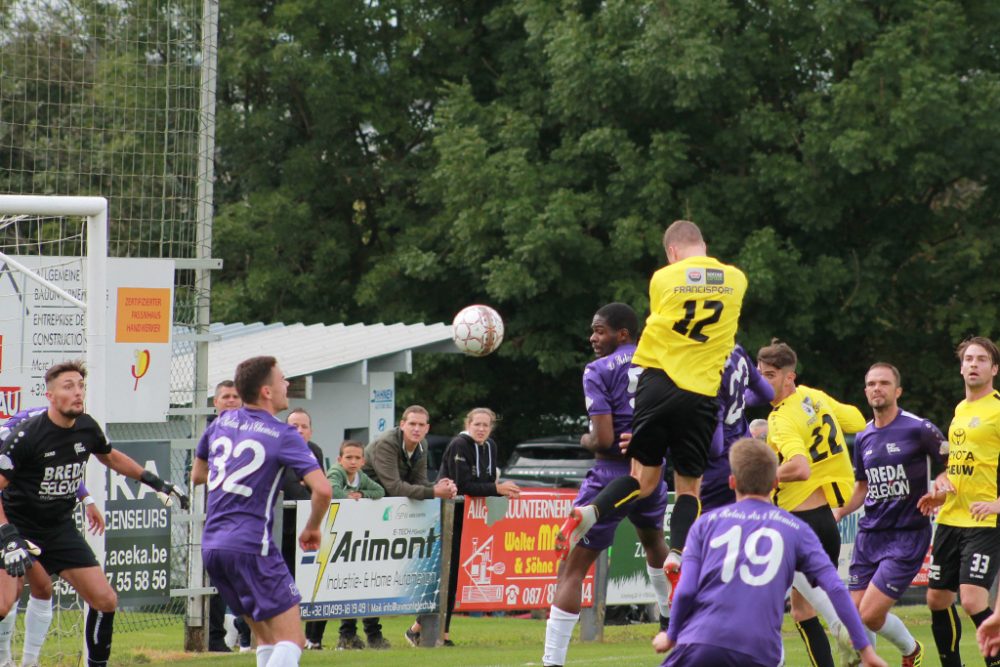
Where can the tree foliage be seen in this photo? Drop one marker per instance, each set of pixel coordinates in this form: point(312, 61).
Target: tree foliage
point(399, 160)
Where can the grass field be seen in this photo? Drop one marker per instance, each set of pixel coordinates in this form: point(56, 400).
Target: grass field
point(491, 642)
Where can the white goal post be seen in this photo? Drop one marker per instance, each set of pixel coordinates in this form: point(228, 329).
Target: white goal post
point(95, 210)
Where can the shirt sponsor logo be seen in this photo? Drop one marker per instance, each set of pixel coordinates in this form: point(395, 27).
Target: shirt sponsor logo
point(695, 277)
point(715, 277)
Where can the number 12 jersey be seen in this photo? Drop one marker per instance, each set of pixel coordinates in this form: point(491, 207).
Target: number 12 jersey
point(247, 451)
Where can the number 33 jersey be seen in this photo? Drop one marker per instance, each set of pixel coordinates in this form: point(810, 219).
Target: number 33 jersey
point(811, 423)
point(247, 452)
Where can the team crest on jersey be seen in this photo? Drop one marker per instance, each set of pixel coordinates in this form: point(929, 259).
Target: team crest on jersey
point(974, 422)
point(695, 277)
point(79, 448)
point(809, 408)
point(892, 448)
point(715, 277)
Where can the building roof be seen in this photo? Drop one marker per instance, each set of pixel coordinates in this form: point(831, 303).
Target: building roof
point(301, 349)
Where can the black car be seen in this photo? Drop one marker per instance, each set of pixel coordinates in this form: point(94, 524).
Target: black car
point(556, 461)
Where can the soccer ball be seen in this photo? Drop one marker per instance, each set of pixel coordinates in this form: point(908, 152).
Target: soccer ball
point(477, 330)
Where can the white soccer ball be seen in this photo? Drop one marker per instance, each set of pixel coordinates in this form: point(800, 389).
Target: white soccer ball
point(477, 330)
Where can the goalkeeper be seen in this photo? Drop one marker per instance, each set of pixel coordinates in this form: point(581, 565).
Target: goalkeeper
point(42, 464)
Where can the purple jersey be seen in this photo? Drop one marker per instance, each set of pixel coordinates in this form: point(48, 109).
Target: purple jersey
point(893, 461)
point(247, 451)
point(609, 389)
point(738, 563)
point(742, 386)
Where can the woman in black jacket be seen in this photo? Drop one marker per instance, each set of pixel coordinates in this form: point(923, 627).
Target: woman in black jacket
point(470, 460)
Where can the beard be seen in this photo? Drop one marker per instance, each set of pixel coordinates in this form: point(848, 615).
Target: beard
point(71, 413)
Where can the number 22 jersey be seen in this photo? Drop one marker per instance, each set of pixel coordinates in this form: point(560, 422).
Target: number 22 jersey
point(247, 451)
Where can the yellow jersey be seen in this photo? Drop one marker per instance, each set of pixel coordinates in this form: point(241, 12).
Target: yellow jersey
point(811, 423)
point(694, 309)
point(973, 449)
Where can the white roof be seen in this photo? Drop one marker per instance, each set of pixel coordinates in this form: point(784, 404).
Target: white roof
point(301, 349)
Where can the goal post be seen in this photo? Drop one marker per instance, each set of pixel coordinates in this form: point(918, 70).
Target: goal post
point(95, 210)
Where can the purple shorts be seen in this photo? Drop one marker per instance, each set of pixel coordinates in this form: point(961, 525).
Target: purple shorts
point(889, 559)
point(707, 655)
point(645, 513)
point(252, 585)
point(715, 491)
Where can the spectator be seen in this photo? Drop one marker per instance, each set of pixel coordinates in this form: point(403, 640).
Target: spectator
point(226, 398)
point(397, 460)
point(471, 460)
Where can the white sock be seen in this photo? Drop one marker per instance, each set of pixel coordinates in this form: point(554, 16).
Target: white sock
point(558, 632)
point(37, 619)
point(820, 601)
point(674, 558)
point(661, 588)
point(264, 654)
point(286, 654)
point(896, 632)
point(7, 633)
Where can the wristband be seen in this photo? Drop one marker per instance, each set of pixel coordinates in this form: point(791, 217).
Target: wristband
point(88, 501)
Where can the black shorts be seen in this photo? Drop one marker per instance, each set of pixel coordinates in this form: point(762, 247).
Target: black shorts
point(63, 547)
point(670, 418)
point(821, 520)
point(963, 556)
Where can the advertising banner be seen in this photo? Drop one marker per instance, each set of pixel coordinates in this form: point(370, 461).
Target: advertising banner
point(628, 582)
point(377, 558)
point(137, 541)
point(508, 558)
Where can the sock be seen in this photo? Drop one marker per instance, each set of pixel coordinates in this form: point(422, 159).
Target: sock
point(896, 632)
point(558, 631)
point(819, 600)
point(285, 654)
point(621, 491)
point(660, 585)
point(981, 616)
point(817, 645)
point(37, 619)
point(947, 630)
point(6, 633)
point(100, 625)
point(686, 510)
point(264, 654)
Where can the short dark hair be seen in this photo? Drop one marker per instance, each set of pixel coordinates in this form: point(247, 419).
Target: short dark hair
point(251, 375)
point(225, 384)
point(981, 341)
point(300, 411)
point(778, 354)
point(71, 366)
point(620, 316)
point(754, 466)
point(350, 443)
point(682, 233)
point(883, 364)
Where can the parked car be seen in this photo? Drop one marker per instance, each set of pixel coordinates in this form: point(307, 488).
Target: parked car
point(556, 461)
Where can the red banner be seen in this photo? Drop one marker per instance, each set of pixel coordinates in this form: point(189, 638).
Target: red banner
point(510, 562)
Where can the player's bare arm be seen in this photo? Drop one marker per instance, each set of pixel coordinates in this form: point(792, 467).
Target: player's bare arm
point(127, 466)
point(320, 503)
point(199, 472)
point(856, 501)
point(982, 509)
point(795, 469)
point(601, 436)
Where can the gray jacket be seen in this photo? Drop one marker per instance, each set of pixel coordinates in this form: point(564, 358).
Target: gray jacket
point(399, 475)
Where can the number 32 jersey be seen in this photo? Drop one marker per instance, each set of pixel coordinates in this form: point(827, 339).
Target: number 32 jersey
point(694, 309)
point(811, 423)
point(247, 452)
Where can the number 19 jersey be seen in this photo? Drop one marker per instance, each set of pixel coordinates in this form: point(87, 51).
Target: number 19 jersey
point(247, 451)
point(694, 309)
point(811, 423)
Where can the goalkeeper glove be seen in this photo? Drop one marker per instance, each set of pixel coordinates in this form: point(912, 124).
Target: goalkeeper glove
point(164, 489)
point(17, 551)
